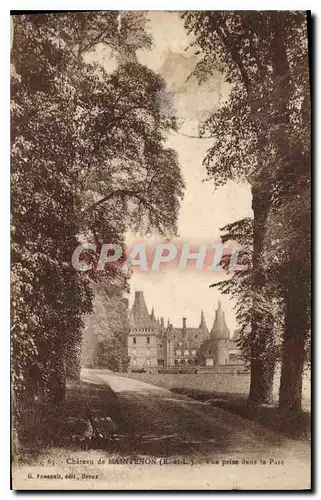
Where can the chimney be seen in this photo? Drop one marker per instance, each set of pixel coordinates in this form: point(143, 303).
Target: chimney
point(203, 322)
point(184, 326)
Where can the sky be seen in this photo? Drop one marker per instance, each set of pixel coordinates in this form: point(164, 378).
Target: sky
point(175, 294)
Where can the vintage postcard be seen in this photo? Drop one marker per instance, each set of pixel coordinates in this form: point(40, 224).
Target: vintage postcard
point(160, 250)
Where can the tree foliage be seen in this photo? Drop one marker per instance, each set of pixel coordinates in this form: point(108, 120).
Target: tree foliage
point(261, 136)
point(106, 330)
point(239, 285)
point(88, 162)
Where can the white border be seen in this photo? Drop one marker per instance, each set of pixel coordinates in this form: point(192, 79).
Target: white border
point(5, 195)
point(164, 5)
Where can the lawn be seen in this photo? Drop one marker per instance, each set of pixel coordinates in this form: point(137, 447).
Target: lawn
point(230, 392)
point(218, 383)
point(221, 383)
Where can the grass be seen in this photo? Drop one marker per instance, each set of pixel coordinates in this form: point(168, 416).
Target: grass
point(73, 421)
point(66, 428)
point(219, 383)
point(229, 392)
point(294, 425)
point(226, 391)
point(226, 383)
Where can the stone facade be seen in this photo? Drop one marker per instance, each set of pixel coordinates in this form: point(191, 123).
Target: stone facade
point(152, 345)
point(187, 342)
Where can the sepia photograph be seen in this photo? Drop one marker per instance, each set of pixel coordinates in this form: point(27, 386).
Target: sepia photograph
point(160, 317)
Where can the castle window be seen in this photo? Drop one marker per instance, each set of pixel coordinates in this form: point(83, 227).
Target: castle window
point(186, 352)
point(148, 362)
point(193, 352)
point(161, 346)
point(148, 340)
point(134, 340)
point(209, 352)
point(178, 352)
point(196, 336)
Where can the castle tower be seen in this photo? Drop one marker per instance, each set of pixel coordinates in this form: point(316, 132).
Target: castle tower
point(219, 328)
point(220, 336)
point(215, 350)
point(139, 310)
point(143, 336)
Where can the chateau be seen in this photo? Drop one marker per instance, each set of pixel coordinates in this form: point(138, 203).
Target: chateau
point(152, 345)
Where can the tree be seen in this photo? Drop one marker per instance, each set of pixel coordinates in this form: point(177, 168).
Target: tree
point(230, 42)
point(288, 239)
point(239, 285)
point(106, 330)
point(48, 298)
point(254, 130)
point(87, 155)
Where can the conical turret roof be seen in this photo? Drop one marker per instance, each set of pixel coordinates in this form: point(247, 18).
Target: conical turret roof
point(219, 329)
point(203, 322)
point(140, 311)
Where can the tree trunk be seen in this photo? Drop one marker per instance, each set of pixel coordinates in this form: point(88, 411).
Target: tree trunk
point(57, 387)
point(293, 354)
point(262, 358)
point(296, 279)
point(73, 364)
point(262, 375)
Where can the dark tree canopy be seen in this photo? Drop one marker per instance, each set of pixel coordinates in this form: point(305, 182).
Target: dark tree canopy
point(261, 136)
point(88, 162)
